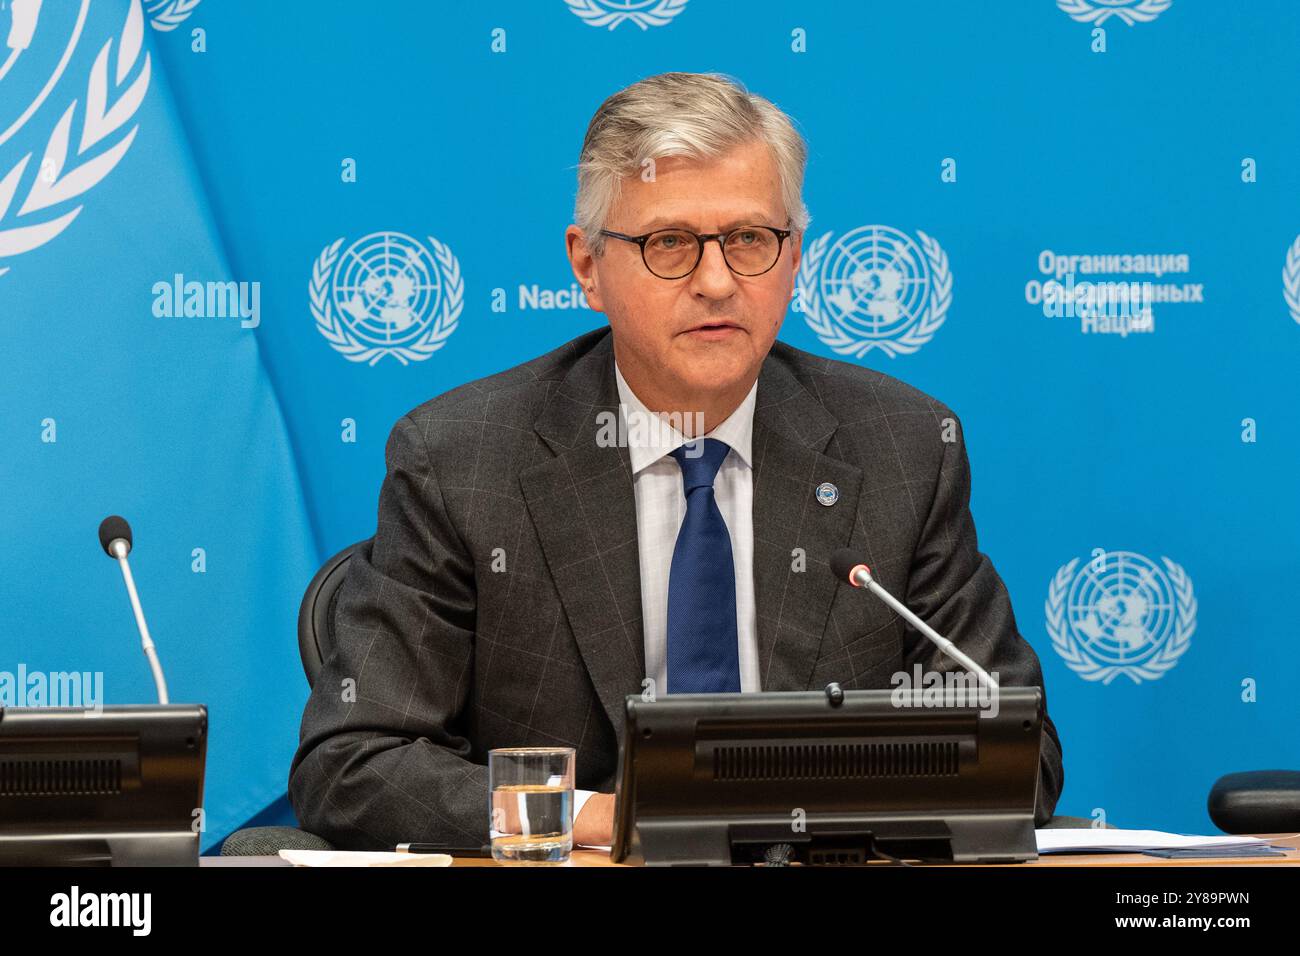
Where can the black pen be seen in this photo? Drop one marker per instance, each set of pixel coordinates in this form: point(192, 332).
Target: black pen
point(485, 850)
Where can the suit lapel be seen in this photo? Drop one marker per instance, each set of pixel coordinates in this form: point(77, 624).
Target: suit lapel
point(584, 510)
point(792, 601)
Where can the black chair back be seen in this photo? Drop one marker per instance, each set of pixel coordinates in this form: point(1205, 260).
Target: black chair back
point(316, 614)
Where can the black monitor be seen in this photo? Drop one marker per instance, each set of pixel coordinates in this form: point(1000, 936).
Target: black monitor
point(826, 777)
point(118, 786)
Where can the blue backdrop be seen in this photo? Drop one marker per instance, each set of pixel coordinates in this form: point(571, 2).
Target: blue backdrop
point(1134, 476)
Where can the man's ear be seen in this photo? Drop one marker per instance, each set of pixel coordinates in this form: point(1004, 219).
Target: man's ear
point(583, 263)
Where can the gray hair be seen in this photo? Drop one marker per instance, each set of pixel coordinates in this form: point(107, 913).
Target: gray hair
point(701, 115)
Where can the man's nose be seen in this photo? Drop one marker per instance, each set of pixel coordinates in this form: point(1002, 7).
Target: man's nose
point(713, 278)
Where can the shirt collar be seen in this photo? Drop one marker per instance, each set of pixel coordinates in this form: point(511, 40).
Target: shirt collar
point(737, 431)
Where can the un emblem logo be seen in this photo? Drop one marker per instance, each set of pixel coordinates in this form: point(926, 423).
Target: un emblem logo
point(611, 13)
point(167, 15)
point(1121, 614)
point(877, 288)
point(58, 157)
point(1099, 11)
point(1291, 279)
point(386, 294)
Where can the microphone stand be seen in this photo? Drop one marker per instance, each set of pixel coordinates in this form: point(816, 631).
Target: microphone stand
point(119, 548)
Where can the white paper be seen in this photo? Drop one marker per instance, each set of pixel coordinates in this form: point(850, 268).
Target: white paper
point(1101, 840)
point(359, 858)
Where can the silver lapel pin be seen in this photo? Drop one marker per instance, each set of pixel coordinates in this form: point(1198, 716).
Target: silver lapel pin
point(827, 494)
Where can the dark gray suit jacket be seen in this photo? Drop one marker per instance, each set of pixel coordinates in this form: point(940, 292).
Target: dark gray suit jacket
point(451, 658)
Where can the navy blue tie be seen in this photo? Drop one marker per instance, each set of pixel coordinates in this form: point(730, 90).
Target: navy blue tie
point(702, 652)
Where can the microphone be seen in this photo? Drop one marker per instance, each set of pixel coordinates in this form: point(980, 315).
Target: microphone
point(846, 566)
point(115, 538)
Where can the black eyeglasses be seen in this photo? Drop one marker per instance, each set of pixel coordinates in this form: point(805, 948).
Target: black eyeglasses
point(674, 253)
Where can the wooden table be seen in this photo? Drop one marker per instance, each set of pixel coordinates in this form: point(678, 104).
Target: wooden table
point(586, 858)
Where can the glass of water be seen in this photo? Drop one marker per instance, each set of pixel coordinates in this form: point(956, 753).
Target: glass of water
point(530, 803)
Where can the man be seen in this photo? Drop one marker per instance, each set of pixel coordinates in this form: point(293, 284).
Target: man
point(528, 572)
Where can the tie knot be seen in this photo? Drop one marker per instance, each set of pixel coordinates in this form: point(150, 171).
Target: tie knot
point(699, 470)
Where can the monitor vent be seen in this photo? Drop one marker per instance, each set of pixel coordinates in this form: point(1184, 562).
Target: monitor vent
point(62, 777)
point(786, 761)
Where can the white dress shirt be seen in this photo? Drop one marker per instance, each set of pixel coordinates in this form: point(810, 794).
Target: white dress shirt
point(660, 509)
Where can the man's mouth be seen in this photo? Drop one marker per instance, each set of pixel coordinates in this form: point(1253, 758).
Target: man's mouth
point(714, 329)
